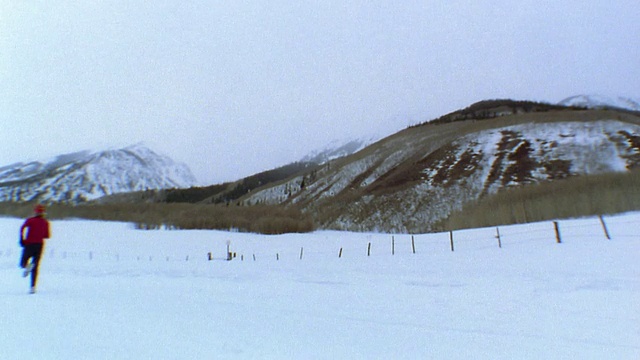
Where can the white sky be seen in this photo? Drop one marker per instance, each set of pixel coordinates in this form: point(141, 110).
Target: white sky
point(236, 87)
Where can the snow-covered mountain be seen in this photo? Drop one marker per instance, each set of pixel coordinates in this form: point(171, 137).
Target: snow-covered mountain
point(337, 149)
point(422, 174)
point(88, 175)
point(601, 102)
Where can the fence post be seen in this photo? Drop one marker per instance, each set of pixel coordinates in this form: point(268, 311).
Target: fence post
point(393, 245)
point(340, 253)
point(557, 228)
point(301, 250)
point(498, 236)
point(369, 250)
point(451, 239)
point(604, 226)
point(413, 245)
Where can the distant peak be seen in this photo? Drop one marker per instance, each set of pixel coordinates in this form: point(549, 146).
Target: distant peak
point(338, 148)
point(140, 147)
point(91, 174)
point(597, 101)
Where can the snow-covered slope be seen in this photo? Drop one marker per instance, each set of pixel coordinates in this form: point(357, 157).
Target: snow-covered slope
point(89, 175)
point(420, 175)
point(601, 101)
point(337, 149)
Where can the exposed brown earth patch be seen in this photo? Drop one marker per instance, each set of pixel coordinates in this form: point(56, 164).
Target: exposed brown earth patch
point(456, 169)
point(522, 164)
point(557, 169)
point(633, 160)
point(442, 167)
point(397, 177)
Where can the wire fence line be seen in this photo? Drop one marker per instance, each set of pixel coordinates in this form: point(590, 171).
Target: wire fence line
point(367, 245)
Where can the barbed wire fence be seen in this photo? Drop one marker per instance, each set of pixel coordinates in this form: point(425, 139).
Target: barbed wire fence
point(552, 233)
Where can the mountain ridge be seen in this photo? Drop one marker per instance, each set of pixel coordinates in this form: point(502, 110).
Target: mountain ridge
point(595, 101)
point(88, 175)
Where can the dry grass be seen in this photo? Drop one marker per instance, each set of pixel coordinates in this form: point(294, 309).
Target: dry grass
point(258, 219)
point(572, 197)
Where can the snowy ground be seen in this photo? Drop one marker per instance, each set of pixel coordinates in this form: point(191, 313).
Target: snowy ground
point(107, 291)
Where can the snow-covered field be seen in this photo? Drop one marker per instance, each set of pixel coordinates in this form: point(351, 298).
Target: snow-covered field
point(108, 291)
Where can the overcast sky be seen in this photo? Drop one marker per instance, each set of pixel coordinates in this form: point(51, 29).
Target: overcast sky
point(235, 87)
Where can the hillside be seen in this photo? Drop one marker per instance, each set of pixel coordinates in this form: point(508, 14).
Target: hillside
point(230, 192)
point(224, 193)
point(417, 177)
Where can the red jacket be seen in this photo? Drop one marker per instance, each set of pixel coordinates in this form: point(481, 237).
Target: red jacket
point(38, 230)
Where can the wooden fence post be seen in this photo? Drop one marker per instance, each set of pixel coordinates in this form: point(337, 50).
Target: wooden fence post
point(369, 250)
point(451, 239)
point(557, 228)
point(413, 245)
point(393, 245)
point(604, 226)
point(498, 236)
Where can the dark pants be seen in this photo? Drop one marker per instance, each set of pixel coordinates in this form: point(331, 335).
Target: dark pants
point(33, 252)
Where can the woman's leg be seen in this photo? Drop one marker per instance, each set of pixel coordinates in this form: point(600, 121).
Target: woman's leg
point(35, 260)
point(25, 257)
